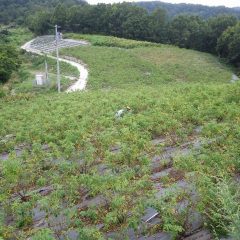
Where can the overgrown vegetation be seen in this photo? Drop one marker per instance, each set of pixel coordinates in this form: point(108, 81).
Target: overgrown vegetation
point(68, 166)
point(9, 61)
point(9, 56)
point(65, 150)
point(115, 67)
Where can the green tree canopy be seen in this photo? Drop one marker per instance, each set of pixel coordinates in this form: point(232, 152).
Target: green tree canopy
point(40, 23)
point(188, 31)
point(217, 25)
point(228, 44)
point(158, 23)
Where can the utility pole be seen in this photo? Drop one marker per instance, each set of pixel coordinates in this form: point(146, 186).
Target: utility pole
point(46, 71)
point(57, 52)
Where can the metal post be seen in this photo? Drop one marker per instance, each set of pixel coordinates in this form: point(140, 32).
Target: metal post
point(46, 71)
point(57, 52)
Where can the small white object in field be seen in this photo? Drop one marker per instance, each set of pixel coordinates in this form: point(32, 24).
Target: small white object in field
point(234, 79)
point(13, 93)
point(39, 79)
point(120, 113)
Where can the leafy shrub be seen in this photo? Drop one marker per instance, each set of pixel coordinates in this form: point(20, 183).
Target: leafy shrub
point(221, 205)
point(9, 61)
point(44, 234)
point(90, 234)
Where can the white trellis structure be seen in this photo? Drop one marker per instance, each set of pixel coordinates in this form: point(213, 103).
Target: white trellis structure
point(47, 44)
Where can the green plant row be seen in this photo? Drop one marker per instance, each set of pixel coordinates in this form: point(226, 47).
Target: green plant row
point(104, 41)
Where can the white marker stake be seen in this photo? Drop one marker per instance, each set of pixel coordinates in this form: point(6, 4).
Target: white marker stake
point(58, 67)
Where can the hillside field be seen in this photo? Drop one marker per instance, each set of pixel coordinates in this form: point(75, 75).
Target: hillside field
point(69, 169)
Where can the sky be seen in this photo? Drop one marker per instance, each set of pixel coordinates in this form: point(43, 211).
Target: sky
point(227, 3)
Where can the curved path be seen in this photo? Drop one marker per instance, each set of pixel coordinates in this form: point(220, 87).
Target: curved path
point(83, 76)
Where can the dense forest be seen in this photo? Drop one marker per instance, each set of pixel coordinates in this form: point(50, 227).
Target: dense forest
point(17, 10)
point(193, 9)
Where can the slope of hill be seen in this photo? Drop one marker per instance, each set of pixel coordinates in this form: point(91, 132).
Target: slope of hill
point(156, 64)
point(196, 9)
point(167, 169)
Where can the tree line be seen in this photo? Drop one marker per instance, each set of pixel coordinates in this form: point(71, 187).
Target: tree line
point(183, 8)
point(217, 35)
point(16, 11)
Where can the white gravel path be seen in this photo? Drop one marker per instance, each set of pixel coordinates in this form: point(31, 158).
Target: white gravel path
point(83, 76)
